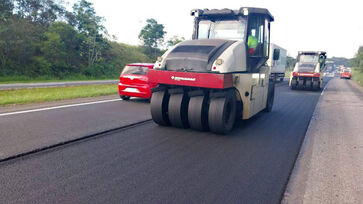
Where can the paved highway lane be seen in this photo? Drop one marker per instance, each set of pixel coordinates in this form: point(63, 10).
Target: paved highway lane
point(54, 84)
point(329, 168)
point(28, 131)
point(152, 164)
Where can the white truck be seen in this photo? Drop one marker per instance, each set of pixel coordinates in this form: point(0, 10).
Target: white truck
point(278, 67)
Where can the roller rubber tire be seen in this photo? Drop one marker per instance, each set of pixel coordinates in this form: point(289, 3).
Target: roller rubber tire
point(159, 107)
point(300, 84)
point(293, 84)
point(198, 113)
point(308, 84)
point(316, 85)
point(124, 97)
point(270, 97)
point(221, 113)
point(178, 110)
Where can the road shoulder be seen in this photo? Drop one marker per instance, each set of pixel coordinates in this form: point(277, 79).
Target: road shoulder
point(329, 168)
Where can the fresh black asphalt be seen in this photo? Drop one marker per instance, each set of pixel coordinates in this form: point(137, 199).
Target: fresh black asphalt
point(26, 132)
point(152, 164)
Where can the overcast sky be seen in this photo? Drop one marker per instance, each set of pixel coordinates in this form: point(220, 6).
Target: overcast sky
point(333, 26)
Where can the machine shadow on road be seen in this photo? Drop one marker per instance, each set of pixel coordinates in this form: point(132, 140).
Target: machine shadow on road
point(137, 100)
point(240, 127)
point(268, 122)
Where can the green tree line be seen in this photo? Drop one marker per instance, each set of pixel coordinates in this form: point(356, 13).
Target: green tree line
point(42, 38)
point(340, 61)
point(357, 61)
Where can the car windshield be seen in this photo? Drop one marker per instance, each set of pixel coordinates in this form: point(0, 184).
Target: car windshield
point(136, 70)
point(309, 59)
point(226, 29)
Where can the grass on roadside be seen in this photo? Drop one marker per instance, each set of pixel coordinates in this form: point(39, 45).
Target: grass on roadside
point(357, 76)
point(26, 79)
point(33, 95)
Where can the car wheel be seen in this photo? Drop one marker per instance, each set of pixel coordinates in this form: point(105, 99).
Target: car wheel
point(124, 97)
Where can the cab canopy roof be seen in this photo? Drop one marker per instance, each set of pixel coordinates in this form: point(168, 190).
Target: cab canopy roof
point(312, 53)
point(220, 13)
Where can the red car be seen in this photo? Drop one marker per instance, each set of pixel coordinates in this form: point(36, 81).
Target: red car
point(134, 81)
point(346, 74)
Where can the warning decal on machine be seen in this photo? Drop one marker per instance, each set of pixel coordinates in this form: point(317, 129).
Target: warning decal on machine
point(182, 78)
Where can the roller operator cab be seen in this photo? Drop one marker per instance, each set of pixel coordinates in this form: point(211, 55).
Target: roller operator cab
point(308, 71)
point(219, 76)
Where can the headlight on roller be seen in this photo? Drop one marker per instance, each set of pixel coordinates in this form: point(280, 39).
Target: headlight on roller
point(219, 61)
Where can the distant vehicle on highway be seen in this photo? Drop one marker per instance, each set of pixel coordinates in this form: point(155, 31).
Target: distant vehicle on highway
point(134, 81)
point(278, 67)
point(308, 71)
point(345, 74)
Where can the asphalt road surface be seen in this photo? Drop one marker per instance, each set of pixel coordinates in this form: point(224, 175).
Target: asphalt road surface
point(25, 131)
point(329, 168)
point(54, 84)
point(147, 163)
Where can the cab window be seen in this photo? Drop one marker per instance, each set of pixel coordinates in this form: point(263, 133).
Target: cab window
point(258, 36)
point(222, 29)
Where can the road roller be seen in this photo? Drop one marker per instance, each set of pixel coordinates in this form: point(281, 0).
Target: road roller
point(219, 76)
point(308, 71)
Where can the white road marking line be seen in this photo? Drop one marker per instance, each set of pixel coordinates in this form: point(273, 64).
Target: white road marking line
point(322, 93)
point(58, 107)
